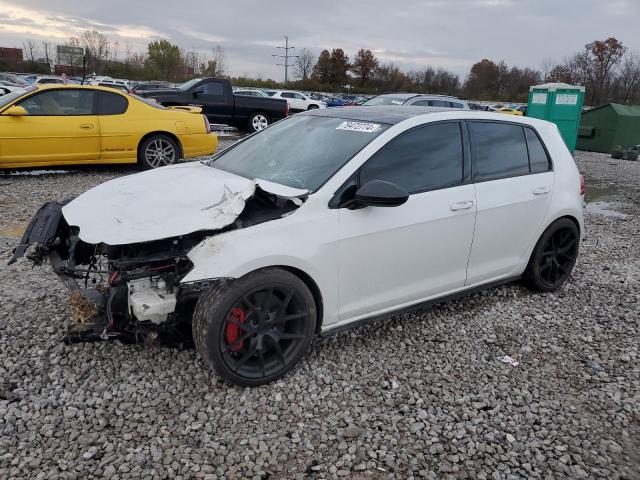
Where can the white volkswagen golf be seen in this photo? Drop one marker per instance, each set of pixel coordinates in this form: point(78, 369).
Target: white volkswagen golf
point(321, 221)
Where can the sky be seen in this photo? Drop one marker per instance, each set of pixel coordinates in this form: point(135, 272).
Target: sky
point(453, 34)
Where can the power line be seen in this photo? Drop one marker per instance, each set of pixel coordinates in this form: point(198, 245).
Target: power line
point(286, 57)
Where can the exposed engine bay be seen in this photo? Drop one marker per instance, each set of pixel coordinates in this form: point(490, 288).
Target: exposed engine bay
point(133, 292)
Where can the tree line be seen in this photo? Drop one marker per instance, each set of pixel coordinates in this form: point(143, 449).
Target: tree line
point(607, 68)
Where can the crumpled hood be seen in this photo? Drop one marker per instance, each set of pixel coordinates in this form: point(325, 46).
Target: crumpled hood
point(164, 203)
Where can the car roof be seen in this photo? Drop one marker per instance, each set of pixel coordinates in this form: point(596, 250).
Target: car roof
point(379, 114)
point(397, 114)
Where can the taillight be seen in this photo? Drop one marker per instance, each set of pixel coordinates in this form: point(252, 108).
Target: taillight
point(581, 185)
point(207, 125)
point(286, 110)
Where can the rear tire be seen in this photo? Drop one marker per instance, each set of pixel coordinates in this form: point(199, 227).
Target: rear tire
point(158, 151)
point(553, 257)
point(258, 121)
point(256, 329)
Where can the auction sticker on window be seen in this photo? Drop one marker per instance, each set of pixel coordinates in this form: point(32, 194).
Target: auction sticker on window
point(358, 127)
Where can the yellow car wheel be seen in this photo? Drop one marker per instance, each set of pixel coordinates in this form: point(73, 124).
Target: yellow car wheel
point(158, 151)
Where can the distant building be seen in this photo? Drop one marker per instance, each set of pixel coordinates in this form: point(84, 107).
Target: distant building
point(10, 57)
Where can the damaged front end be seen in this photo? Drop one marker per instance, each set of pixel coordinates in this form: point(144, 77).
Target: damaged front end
point(132, 292)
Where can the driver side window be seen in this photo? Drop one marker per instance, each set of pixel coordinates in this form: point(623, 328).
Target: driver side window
point(425, 158)
point(60, 103)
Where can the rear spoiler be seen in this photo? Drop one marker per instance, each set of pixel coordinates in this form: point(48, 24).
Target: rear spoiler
point(186, 108)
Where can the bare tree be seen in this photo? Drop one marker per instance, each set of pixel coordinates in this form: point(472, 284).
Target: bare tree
point(30, 51)
point(547, 65)
point(98, 48)
point(214, 67)
point(628, 81)
point(304, 64)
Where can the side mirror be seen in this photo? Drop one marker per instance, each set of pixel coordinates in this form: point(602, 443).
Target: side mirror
point(379, 193)
point(15, 111)
point(198, 91)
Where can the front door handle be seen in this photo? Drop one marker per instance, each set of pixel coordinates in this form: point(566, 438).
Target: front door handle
point(464, 205)
point(541, 190)
point(86, 126)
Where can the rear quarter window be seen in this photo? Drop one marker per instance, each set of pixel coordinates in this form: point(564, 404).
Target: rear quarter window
point(499, 150)
point(538, 159)
point(111, 103)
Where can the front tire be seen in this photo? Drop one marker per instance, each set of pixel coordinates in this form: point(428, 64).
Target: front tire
point(312, 107)
point(158, 151)
point(258, 121)
point(553, 257)
point(257, 328)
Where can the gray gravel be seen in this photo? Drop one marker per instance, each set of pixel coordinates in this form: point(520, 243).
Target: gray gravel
point(421, 395)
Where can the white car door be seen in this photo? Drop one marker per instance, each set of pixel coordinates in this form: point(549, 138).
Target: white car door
point(513, 181)
point(392, 257)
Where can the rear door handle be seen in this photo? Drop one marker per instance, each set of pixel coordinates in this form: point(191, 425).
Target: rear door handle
point(86, 126)
point(465, 205)
point(541, 190)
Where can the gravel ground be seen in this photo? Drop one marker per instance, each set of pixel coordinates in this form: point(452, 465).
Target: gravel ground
point(421, 395)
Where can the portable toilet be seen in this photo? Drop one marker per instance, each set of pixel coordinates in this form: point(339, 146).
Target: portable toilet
point(559, 103)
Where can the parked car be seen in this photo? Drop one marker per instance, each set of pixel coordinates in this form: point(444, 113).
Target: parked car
point(43, 79)
point(509, 111)
point(250, 93)
point(8, 87)
point(298, 102)
point(330, 101)
point(15, 79)
point(418, 100)
point(146, 86)
point(215, 97)
point(78, 124)
point(318, 223)
point(117, 86)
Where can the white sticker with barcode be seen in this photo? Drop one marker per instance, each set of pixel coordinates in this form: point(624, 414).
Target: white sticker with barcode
point(358, 127)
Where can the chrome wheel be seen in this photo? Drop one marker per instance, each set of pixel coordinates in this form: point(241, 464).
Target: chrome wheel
point(259, 122)
point(160, 152)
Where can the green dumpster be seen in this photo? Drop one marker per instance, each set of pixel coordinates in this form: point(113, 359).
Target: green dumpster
point(606, 127)
point(559, 103)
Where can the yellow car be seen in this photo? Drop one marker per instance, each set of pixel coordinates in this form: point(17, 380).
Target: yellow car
point(509, 111)
point(77, 124)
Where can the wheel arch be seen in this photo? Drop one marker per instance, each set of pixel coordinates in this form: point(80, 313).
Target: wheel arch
point(172, 136)
point(311, 285)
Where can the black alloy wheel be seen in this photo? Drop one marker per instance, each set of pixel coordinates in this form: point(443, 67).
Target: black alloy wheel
point(258, 328)
point(554, 256)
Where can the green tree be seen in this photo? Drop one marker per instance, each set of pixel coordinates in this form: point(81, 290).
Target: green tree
point(364, 64)
point(339, 68)
point(322, 68)
point(164, 58)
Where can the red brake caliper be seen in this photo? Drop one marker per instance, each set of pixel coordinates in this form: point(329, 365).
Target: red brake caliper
point(233, 332)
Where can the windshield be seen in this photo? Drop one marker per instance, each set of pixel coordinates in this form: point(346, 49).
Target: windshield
point(187, 85)
point(10, 97)
point(387, 100)
point(301, 151)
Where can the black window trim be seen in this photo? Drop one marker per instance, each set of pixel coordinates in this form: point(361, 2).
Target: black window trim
point(40, 92)
point(522, 126)
point(337, 202)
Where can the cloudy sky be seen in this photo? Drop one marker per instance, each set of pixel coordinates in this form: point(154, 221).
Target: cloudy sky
point(411, 33)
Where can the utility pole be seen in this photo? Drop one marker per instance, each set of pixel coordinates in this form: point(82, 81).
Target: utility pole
point(286, 57)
